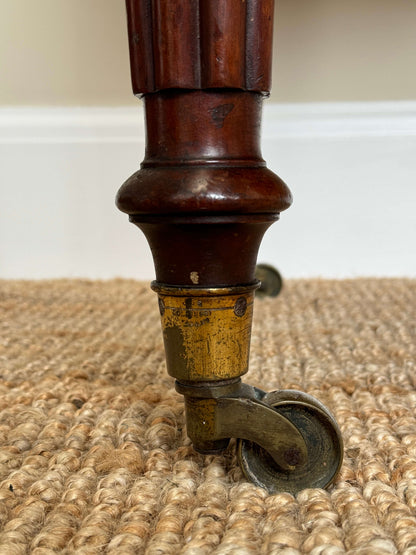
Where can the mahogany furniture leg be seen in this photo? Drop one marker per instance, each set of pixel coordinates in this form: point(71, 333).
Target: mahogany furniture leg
point(204, 198)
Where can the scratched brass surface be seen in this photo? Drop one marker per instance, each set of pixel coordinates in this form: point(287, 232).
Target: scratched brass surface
point(206, 336)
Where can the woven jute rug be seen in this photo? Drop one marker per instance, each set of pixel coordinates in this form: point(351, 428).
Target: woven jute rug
point(94, 457)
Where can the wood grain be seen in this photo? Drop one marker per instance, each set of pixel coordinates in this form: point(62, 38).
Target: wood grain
point(200, 44)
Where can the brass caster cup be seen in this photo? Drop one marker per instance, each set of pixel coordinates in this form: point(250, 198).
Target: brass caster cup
point(206, 331)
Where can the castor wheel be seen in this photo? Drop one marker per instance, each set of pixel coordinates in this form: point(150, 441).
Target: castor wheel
point(271, 281)
point(322, 438)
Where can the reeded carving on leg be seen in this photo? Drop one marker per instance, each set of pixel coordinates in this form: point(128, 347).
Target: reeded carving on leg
point(200, 44)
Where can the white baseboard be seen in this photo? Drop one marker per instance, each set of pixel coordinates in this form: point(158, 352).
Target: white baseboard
point(126, 125)
point(340, 119)
point(351, 167)
point(71, 125)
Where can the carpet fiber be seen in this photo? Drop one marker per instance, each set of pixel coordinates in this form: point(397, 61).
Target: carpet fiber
point(94, 456)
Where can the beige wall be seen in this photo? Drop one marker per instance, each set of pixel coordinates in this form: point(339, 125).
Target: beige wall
point(74, 52)
point(345, 50)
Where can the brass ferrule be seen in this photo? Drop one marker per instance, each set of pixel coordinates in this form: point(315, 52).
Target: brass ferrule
point(206, 331)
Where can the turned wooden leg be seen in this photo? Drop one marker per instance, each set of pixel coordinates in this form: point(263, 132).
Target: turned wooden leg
point(204, 198)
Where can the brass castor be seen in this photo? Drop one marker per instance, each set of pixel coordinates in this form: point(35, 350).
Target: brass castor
point(271, 281)
point(287, 439)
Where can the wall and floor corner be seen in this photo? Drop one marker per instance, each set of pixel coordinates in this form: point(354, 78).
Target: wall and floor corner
point(93, 437)
point(346, 149)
